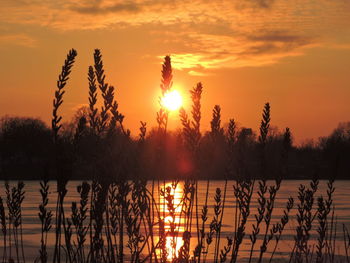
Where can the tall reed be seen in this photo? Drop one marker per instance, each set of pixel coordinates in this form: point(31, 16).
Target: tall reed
point(45, 217)
point(192, 136)
point(3, 228)
point(305, 218)
point(59, 155)
point(78, 218)
point(281, 225)
point(262, 200)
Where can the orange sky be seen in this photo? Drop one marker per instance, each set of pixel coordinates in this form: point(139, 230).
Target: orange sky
point(293, 54)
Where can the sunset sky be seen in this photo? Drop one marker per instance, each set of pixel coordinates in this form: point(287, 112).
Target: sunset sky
point(293, 54)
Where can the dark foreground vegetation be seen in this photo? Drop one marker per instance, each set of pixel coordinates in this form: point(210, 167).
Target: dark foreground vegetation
point(119, 218)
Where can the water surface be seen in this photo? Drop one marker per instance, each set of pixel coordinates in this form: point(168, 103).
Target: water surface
point(341, 201)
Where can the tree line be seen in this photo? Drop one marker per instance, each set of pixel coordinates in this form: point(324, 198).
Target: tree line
point(27, 152)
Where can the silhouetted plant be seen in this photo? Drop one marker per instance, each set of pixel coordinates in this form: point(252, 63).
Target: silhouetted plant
point(107, 91)
point(61, 83)
point(3, 228)
point(269, 233)
point(61, 177)
point(45, 217)
point(10, 217)
point(330, 226)
point(280, 226)
point(304, 219)
point(94, 118)
point(243, 192)
point(14, 199)
point(262, 201)
point(219, 225)
point(143, 130)
point(259, 216)
point(97, 249)
point(265, 124)
point(191, 128)
point(322, 228)
point(215, 123)
point(346, 240)
point(188, 201)
point(78, 218)
point(224, 252)
point(231, 134)
point(204, 218)
point(165, 86)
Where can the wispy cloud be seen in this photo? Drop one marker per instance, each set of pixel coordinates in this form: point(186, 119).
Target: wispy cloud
point(241, 15)
point(206, 34)
point(210, 52)
point(256, 3)
point(97, 7)
point(18, 39)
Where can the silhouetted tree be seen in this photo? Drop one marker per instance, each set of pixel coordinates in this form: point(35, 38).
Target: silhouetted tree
point(25, 147)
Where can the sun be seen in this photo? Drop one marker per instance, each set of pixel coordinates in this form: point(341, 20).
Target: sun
point(172, 100)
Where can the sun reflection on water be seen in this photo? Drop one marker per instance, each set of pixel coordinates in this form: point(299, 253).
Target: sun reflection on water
point(171, 207)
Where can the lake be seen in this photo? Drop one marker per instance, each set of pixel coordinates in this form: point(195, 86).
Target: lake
point(341, 201)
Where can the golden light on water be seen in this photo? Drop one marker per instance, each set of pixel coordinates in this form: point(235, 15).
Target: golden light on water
point(172, 100)
point(171, 254)
point(174, 243)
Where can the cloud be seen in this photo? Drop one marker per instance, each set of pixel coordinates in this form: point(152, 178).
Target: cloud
point(194, 62)
point(276, 42)
point(264, 3)
point(207, 52)
point(202, 35)
point(238, 15)
point(18, 39)
point(196, 73)
point(97, 8)
point(256, 3)
point(276, 36)
point(93, 14)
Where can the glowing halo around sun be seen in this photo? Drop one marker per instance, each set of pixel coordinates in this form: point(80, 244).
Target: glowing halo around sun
point(172, 100)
